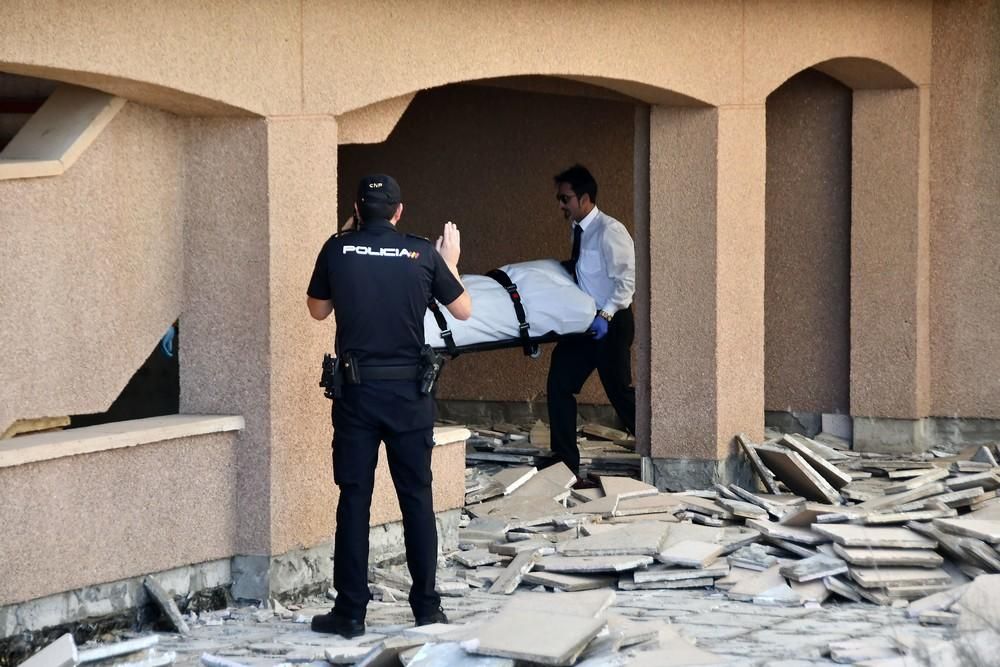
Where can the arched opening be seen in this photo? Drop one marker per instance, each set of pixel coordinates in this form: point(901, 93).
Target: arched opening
point(807, 290)
point(483, 154)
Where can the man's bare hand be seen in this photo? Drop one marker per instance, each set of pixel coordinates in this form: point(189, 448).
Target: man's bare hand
point(348, 224)
point(450, 244)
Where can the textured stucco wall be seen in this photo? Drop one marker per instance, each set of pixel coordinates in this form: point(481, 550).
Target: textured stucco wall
point(90, 268)
point(484, 157)
point(890, 253)
point(965, 210)
point(120, 513)
point(808, 246)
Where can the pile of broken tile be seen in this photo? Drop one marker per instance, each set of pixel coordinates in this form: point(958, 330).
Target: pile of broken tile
point(603, 450)
point(828, 522)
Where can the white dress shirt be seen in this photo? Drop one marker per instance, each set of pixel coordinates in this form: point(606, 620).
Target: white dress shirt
point(606, 267)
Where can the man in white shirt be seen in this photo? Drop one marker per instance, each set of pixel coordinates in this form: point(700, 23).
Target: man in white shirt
point(603, 265)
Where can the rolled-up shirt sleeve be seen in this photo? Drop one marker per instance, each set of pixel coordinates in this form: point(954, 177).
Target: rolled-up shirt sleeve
point(619, 260)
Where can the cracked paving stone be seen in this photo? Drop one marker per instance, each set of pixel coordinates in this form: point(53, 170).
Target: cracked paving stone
point(709, 632)
point(724, 619)
point(798, 645)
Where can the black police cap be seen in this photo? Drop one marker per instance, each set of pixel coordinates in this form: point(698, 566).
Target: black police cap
point(378, 189)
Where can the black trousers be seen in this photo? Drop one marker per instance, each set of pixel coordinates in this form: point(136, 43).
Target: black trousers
point(394, 412)
point(573, 361)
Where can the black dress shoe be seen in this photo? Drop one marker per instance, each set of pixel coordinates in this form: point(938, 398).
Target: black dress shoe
point(335, 624)
point(436, 616)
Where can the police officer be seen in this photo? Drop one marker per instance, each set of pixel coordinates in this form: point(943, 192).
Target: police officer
point(377, 282)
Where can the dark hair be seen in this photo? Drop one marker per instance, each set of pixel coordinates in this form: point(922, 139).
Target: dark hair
point(376, 210)
point(580, 179)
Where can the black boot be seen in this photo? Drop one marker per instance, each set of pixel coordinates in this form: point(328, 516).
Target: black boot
point(436, 616)
point(335, 624)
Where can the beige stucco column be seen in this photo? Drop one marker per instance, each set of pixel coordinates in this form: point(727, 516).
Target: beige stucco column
point(706, 246)
point(890, 352)
point(261, 200)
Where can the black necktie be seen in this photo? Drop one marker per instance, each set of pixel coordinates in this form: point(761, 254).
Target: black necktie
point(577, 236)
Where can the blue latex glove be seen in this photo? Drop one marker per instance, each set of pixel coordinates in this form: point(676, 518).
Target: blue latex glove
point(599, 327)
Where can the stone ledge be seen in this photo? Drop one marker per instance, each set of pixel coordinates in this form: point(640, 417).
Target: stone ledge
point(116, 435)
point(446, 435)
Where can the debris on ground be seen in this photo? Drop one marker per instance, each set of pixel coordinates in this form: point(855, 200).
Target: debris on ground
point(617, 572)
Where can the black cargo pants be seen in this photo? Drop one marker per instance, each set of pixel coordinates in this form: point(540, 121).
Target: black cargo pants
point(392, 411)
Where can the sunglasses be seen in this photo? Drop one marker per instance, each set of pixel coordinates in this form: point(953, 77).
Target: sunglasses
point(564, 199)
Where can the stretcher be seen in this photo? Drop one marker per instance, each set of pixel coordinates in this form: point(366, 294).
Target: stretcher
point(521, 305)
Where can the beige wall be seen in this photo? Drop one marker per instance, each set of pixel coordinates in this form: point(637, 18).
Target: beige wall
point(120, 513)
point(91, 268)
point(808, 246)
point(965, 210)
point(484, 157)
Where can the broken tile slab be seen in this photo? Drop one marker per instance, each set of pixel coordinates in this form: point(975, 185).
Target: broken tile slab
point(633, 518)
point(780, 595)
point(626, 487)
point(698, 582)
point(871, 648)
point(907, 593)
point(719, 568)
point(981, 529)
point(831, 473)
point(677, 653)
point(690, 553)
point(601, 506)
point(982, 553)
point(583, 564)
point(557, 474)
point(507, 582)
point(120, 648)
point(483, 576)
point(775, 509)
point(807, 514)
point(741, 508)
point(484, 528)
point(789, 467)
point(60, 653)
point(762, 581)
point(918, 481)
point(763, 473)
point(942, 601)
point(660, 503)
point(536, 543)
point(568, 582)
point(897, 499)
point(791, 547)
point(685, 531)
point(451, 654)
point(166, 603)
point(863, 536)
point(753, 557)
point(962, 498)
point(814, 567)
point(890, 577)
point(887, 518)
point(735, 576)
point(844, 589)
point(644, 538)
point(477, 557)
point(978, 604)
point(789, 533)
point(946, 618)
point(882, 557)
point(346, 655)
point(511, 479)
point(811, 591)
point(987, 480)
point(586, 495)
point(706, 506)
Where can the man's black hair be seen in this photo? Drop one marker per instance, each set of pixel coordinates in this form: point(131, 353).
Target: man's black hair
point(581, 180)
point(376, 211)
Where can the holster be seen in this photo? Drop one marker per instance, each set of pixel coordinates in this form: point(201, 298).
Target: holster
point(431, 364)
point(332, 379)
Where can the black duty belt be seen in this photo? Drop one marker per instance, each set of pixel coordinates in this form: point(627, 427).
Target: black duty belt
point(389, 373)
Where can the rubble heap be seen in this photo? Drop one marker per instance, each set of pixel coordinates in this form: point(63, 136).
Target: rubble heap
point(828, 521)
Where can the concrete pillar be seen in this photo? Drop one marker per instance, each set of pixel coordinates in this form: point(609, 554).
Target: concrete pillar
point(890, 355)
point(261, 200)
point(706, 240)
